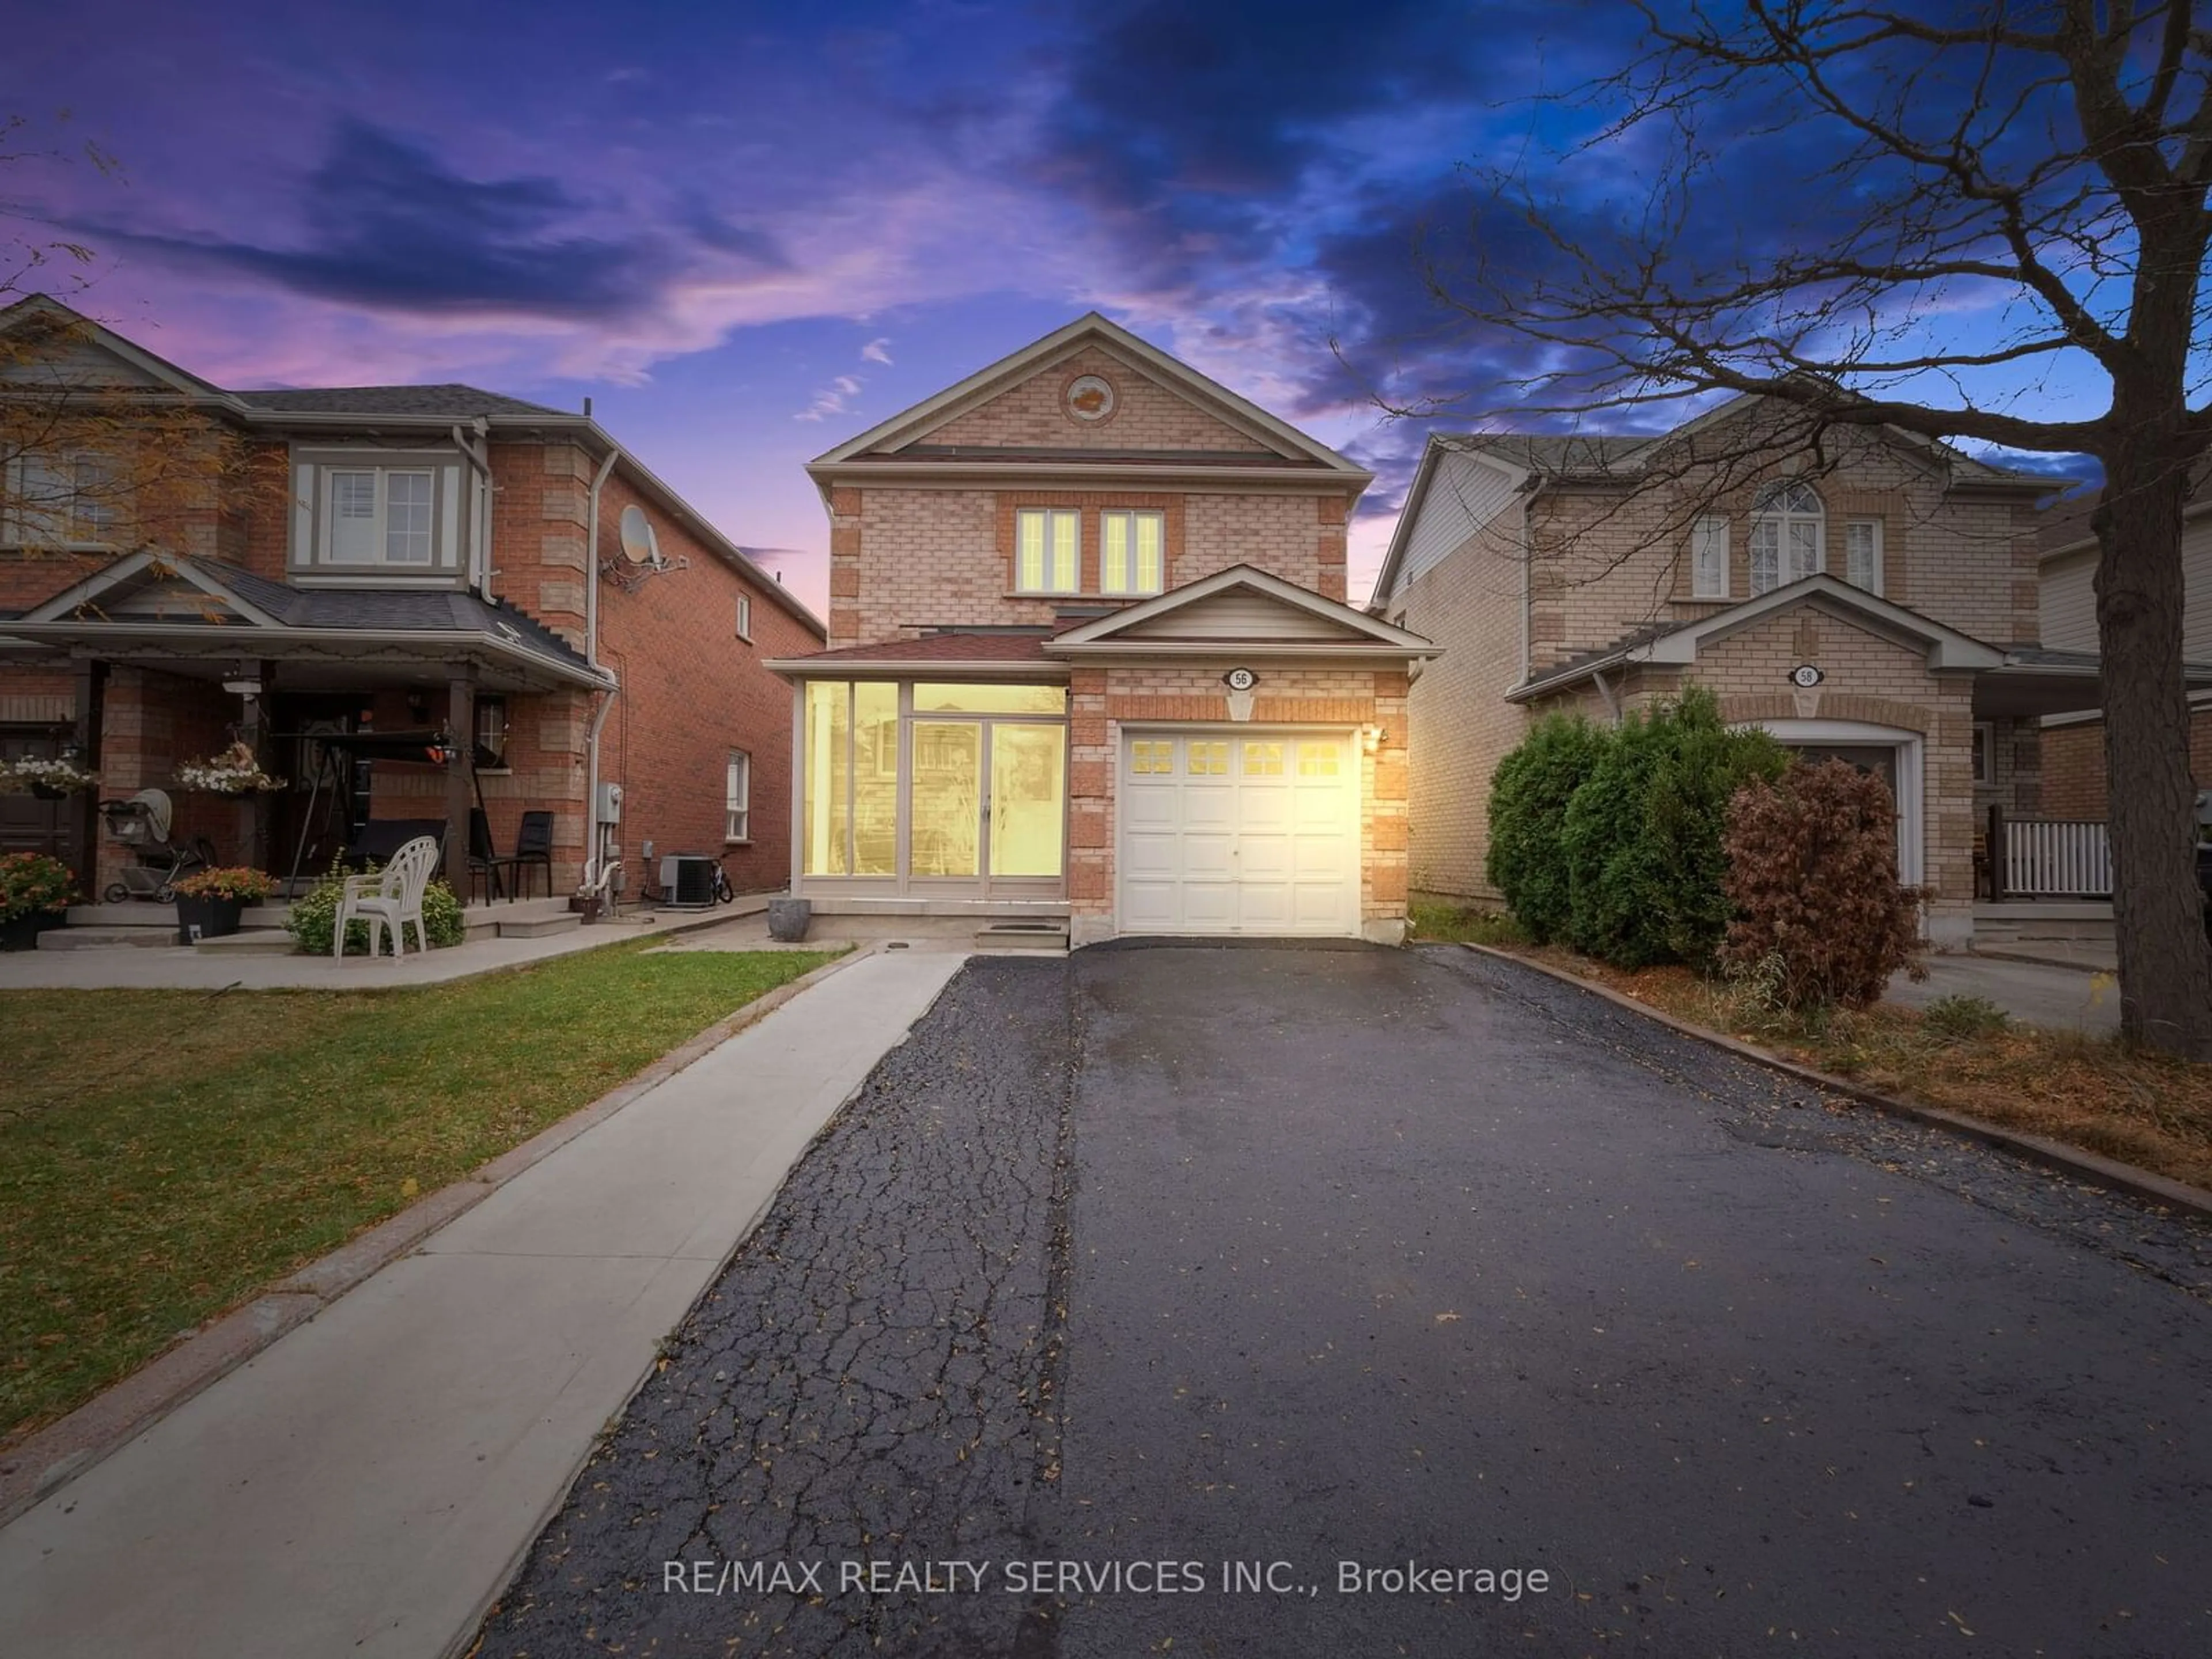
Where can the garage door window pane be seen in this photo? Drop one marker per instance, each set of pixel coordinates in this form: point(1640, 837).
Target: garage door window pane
point(1317, 760)
point(1263, 760)
point(1209, 759)
point(1148, 758)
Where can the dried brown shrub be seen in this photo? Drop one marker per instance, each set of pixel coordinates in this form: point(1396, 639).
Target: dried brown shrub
point(1821, 915)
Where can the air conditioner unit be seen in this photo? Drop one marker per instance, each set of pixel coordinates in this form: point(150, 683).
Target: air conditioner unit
point(687, 881)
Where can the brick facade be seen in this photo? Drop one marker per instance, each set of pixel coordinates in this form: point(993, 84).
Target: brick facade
point(691, 690)
point(911, 554)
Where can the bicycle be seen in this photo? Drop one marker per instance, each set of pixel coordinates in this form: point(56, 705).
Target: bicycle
point(724, 893)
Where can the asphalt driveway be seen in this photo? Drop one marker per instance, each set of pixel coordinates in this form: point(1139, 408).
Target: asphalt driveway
point(1176, 1300)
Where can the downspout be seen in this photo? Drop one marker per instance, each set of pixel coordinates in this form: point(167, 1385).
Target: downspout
point(595, 841)
point(1605, 692)
point(469, 440)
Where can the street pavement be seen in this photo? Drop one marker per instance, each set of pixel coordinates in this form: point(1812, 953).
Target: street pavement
point(1211, 1301)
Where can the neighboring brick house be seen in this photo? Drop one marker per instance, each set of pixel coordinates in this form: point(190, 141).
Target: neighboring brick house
point(1089, 657)
point(1599, 573)
point(389, 566)
point(2074, 743)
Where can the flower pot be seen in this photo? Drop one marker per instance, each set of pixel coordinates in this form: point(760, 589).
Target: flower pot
point(788, 920)
point(207, 918)
point(47, 791)
point(21, 932)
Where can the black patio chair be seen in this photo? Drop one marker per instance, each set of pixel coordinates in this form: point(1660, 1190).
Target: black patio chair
point(534, 846)
point(484, 860)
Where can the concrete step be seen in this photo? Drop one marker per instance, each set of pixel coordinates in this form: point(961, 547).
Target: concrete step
point(249, 942)
point(539, 927)
point(2082, 930)
point(1023, 936)
point(106, 939)
point(144, 913)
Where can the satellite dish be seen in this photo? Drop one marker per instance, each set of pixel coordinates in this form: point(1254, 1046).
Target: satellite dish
point(640, 545)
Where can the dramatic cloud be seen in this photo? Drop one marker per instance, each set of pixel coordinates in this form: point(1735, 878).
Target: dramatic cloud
point(389, 225)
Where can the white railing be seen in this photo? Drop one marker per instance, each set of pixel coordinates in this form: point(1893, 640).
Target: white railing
point(2051, 858)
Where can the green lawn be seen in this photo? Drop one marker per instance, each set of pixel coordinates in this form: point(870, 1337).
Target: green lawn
point(165, 1154)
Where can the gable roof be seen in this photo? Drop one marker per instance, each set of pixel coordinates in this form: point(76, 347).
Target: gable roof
point(1342, 630)
point(45, 308)
point(1678, 645)
point(884, 441)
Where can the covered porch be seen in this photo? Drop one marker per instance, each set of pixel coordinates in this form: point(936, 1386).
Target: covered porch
point(366, 715)
point(2027, 858)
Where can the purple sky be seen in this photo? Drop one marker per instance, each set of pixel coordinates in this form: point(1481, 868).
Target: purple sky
point(748, 232)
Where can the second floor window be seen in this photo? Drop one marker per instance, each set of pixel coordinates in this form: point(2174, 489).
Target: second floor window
point(1863, 553)
point(1709, 556)
point(1131, 552)
point(378, 517)
point(1048, 551)
point(1787, 528)
point(59, 500)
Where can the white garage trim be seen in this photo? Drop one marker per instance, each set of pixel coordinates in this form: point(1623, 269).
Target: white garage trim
point(1237, 831)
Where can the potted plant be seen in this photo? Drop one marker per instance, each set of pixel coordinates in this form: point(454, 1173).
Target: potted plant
point(233, 772)
point(49, 779)
point(210, 904)
point(34, 895)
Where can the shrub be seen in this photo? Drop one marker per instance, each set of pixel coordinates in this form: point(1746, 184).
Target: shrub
point(1642, 834)
point(31, 882)
point(234, 882)
point(1960, 1015)
point(1529, 796)
point(314, 913)
point(1812, 871)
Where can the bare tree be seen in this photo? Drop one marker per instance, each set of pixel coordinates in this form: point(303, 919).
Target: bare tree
point(2045, 163)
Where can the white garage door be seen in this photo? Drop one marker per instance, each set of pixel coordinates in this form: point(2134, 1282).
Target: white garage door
point(1231, 831)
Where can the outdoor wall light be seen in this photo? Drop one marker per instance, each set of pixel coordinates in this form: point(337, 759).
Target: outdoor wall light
point(1370, 737)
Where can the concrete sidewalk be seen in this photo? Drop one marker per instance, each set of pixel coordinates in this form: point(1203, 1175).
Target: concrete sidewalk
point(366, 1485)
point(2034, 993)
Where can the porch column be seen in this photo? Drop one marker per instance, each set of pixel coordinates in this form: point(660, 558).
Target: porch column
point(253, 731)
point(460, 773)
point(82, 822)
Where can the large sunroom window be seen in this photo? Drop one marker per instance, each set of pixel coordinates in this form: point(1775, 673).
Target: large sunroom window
point(850, 802)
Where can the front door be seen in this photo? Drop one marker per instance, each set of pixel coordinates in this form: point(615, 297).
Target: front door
point(989, 807)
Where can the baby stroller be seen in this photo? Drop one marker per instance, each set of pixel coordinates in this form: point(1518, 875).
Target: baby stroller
point(142, 823)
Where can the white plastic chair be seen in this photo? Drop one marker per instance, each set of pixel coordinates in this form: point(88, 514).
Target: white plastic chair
point(392, 898)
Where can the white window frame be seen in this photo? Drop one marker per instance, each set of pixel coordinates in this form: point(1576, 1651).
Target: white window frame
point(737, 799)
point(1872, 528)
point(1771, 525)
point(1135, 587)
point(381, 530)
point(1709, 557)
point(746, 618)
point(60, 524)
point(1048, 519)
point(487, 705)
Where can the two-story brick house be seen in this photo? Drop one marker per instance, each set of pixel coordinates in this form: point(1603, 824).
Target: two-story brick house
point(1089, 657)
point(1871, 595)
point(385, 572)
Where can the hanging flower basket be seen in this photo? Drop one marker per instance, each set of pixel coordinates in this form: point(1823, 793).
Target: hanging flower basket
point(233, 772)
point(48, 780)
